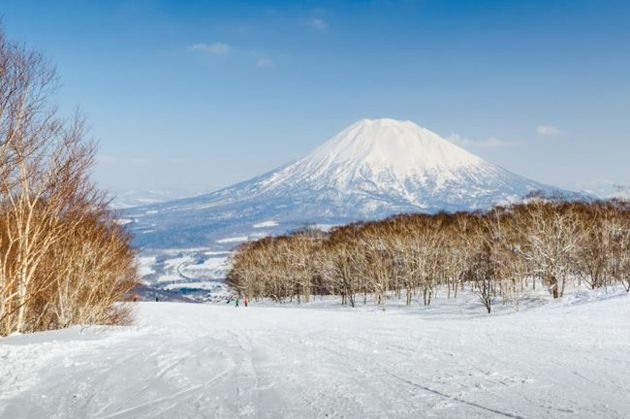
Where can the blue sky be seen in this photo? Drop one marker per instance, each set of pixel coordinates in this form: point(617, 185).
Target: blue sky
point(197, 95)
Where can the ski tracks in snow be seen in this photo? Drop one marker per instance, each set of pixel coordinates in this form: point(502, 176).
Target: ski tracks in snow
point(188, 360)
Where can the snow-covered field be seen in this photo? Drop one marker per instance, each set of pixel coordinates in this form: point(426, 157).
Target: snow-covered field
point(195, 274)
point(567, 359)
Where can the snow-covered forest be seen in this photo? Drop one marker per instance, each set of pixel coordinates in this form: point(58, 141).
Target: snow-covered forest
point(499, 255)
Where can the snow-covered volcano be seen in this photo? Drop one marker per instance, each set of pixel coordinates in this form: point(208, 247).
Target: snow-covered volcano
point(372, 169)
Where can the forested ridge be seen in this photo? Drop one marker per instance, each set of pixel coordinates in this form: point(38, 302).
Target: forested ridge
point(498, 254)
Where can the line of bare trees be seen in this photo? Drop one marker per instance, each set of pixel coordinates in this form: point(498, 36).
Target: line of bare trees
point(63, 258)
point(499, 255)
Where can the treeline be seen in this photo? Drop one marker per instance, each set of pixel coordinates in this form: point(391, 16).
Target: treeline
point(63, 258)
point(498, 254)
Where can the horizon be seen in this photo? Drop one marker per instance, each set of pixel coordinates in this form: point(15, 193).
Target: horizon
point(198, 97)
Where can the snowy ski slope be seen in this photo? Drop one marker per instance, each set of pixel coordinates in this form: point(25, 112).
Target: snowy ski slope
point(557, 360)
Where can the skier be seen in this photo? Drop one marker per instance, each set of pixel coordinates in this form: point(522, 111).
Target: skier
point(245, 301)
point(238, 300)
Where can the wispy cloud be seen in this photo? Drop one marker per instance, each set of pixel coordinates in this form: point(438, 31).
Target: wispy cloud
point(317, 24)
point(491, 142)
point(549, 131)
point(216, 48)
point(264, 62)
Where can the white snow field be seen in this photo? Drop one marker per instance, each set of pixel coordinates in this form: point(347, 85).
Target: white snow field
point(555, 360)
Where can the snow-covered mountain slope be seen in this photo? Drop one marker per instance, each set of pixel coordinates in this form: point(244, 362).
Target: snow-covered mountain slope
point(565, 359)
point(604, 189)
point(372, 169)
point(130, 198)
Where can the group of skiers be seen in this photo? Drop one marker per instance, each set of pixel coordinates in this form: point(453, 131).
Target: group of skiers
point(237, 302)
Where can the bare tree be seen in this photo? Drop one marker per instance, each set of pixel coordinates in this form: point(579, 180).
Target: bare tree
point(496, 253)
point(45, 198)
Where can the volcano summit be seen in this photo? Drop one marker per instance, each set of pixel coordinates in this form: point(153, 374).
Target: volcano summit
point(370, 170)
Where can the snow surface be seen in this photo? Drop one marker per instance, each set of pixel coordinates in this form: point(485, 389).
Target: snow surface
point(557, 360)
point(604, 189)
point(402, 148)
point(370, 170)
point(194, 274)
point(129, 198)
point(266, 224)
point(237, 239)
point(145, 265)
